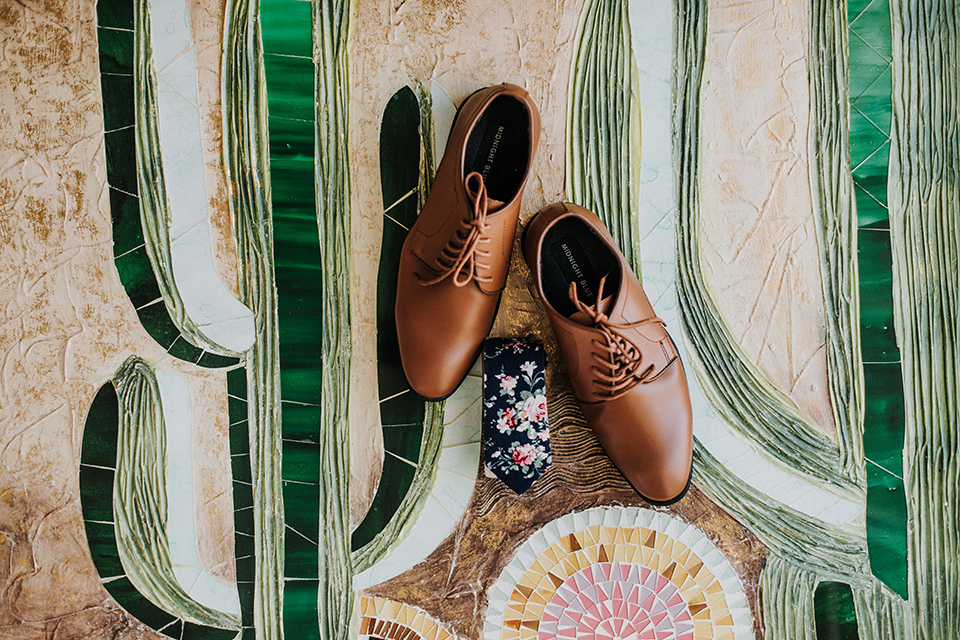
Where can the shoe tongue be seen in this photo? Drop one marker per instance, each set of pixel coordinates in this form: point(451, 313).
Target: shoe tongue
point(581, 317)
point(494, 205)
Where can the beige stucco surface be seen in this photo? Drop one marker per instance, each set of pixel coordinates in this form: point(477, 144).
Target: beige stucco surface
point(66, 323)
point(758, 233)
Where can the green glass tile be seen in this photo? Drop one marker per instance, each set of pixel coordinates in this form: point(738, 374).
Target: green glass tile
point(301, 507)
point(286, 26)
point(870, 213)
point(243, 520)
point(118, 102)
point(865, 137)
point(157, 322)
point(173, 630)
point(245, 568)
point(214, 361)
point(116, 52)
point(183, 350)
point(292, 139)
point(102, 540)
point(300, 557)
point(127, 596)
point(249, 633)
point(96, 493)
point(883, 419)
point(873, 101)
point(121, 153)
point(394, 482)
point(871, 173)
point(301, 462)
point(301, 422)
point(243, 544)
point(115, 13)
point(237, 410)
point(239, 437)
point(873, 26)
point(886, 529)
point(125, 215)
point(404, 441)
point(290, 87)
point(240, 466)
point(405, 409)
point(300, 605)
point(137, 277)
point(296, 247)
point(400, 147)
point(835, 614)
point(855, 7)
point(293, 196)
point(866, 64)
point(200, 632)
point(242, 493)
point(101, 429)
point(237, 383)
point(878, 340)
point(245, 591)
point(300, 383)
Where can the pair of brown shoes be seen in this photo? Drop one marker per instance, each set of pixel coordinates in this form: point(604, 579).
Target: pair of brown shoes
point(624, 368)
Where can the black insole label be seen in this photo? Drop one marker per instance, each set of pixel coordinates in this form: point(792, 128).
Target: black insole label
point(575, 266)
point(493, 145)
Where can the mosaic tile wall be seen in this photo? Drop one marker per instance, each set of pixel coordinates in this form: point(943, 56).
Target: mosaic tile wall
point(204, 428)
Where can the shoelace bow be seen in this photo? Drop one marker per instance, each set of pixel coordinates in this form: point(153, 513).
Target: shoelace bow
point(459, 258)
point(621, 357)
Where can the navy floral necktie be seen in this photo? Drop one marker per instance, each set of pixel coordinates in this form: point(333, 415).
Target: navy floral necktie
point(516, 435)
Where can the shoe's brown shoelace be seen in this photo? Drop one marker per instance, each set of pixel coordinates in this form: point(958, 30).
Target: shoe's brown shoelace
point(618, 355)
point(459, 257)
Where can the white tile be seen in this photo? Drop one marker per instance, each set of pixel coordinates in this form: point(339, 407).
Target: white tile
point(205, 297)
point(170, 32)
point(181, 74)
point(444, 112)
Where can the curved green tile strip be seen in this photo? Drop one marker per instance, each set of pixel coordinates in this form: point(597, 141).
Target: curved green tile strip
point(332, 30)
point(412, 428)
point(123, 500)
point(246, 160)
point(836, 225)
point(603, 123)
point(925, 245)
point(124, 67)
point(140, 498)
point(834, 612)
point(883, 422)
point(244, 527)
point(735, 386)
point(788, 612)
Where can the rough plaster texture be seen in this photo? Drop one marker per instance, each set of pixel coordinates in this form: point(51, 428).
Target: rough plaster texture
point(760, 242)
point(66, 323)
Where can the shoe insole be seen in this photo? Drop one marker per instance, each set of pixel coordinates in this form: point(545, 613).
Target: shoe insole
point(572, 252)
point(498, 147)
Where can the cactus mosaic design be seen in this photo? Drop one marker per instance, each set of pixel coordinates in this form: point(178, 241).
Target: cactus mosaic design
point(202, 207)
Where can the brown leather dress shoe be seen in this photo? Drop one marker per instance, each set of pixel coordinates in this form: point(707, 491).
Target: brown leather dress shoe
point(624, 368)
point(455, 257)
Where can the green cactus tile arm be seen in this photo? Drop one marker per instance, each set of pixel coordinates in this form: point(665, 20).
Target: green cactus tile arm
point(412, 427)
point(120, 65)
point(124, 506)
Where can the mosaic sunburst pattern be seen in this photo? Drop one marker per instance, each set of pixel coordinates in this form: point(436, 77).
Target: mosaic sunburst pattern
point(383, 619)
point(610, 574)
